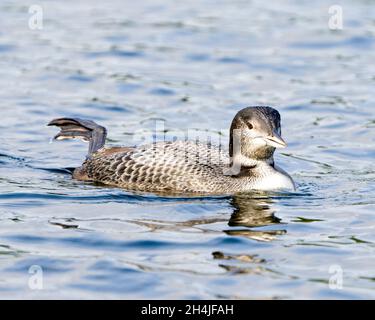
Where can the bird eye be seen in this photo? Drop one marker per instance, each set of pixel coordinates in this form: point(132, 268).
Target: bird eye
point(250, 125)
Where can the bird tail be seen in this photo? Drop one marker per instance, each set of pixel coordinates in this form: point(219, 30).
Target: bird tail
point(86, 130)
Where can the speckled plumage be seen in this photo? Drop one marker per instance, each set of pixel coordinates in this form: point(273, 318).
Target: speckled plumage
point(180, 166)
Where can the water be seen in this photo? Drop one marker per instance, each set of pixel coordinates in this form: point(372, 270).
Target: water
point(194, 65)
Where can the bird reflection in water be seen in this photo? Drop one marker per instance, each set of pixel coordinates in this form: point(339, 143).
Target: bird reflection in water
point(250, 214)
point(251, 211)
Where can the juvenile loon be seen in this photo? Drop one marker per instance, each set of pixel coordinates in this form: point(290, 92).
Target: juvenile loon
point(187, 166)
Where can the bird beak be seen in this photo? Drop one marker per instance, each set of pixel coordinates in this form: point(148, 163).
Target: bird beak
point(275, 140)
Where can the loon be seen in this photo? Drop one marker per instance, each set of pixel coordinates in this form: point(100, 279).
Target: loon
point(187, 166)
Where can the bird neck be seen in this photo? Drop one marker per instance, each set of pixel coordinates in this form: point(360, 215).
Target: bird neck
point(246, 155)
point(241, 165)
